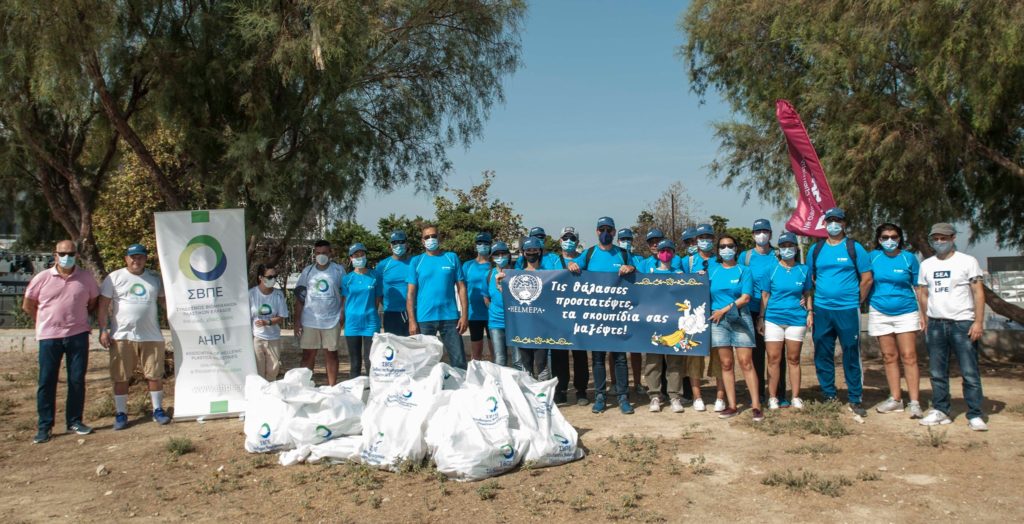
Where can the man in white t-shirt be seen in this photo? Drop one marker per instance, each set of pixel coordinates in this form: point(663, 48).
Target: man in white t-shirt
point(129, 297)
point(951, 289)
point(318, 309)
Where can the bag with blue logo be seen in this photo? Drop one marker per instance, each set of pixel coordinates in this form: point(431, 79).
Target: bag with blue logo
point(393, 356)
point(324, 416)
point(358, 387)
point(267, 417)
point(394, 421)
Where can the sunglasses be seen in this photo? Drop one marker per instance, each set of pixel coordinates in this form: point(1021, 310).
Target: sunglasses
point(889, 237)
point(833, 219)
point(65, 253)
point(397, 242)
point(270, 276)
point(483, 243)
point(426, 237)
point(569, 237)
point(726, 246)
point(606, 229)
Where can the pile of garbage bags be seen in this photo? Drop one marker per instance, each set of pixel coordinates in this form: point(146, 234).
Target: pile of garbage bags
point(474, 424)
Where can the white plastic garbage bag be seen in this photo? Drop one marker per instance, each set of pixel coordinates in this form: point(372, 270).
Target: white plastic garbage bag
point(358, 387)
point(451, 378)
point(393, 422)
point(267, 417)
point(463, 451)
point(337, 450)
point(392, 356)
point(334, 414)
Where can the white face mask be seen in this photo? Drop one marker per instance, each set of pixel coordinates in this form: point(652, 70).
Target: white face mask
point(398, 249)
point(762, 239)
point(359, 262)
point(727, 253)
point(787, 253)
point(431, 244)
point(269, 282)
point(626, 244)
point(322, 259)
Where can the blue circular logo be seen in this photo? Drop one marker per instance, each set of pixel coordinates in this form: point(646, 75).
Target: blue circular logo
point(389, 353)
point(507, 451)
point(264, 430)
point(560, 439)
point(407, 393)
point(322, 286)
point(323, 432)
point(493, 404)
point(138, 290)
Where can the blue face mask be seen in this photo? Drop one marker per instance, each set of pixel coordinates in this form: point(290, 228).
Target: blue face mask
point(605, 238)
point(787, 253)
point(398, 249)
point(500, 261)
point(483, 249)
point(705, 244)
point(889, 245)
point(691, 250)
point(941, 247)
point(727, 253)
point(569, 245)
point(431, 244)
point(626, 244)
point(359, 262)
point(833, 228)
point(66, 261)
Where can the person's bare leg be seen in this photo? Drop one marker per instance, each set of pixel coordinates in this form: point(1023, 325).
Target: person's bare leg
point(774, 350)
point(745, 357)
point(476, 349)
point(728, 375)
point(793, 348)
point(891, 358)
point(331, 363)
point(309, 358)
point(907, 343)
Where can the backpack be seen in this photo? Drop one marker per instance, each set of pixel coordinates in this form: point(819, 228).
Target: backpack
point(750, 253)
point(702, 259)
point(590, 253)
point(851, 250)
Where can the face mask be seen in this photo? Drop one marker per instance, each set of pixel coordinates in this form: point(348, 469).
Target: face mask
point(270, 282)
point(500, 261)
point(605, 238)
point(625, 244)
point(834, 228)
point(482, 249)
point(66, 261)
point(569, 245)
point(322, 260)
point(761, 239)
point(532, 257)
point(665, 256)
point(359, 262)
point(727, 253)
point(787, 253)
point(431, 244)
point(889, 245)
point(705, 244)
point(398, 249)
point(691, 250)
point(941, 247)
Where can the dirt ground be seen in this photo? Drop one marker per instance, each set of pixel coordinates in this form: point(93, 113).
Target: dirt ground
point(652, 467)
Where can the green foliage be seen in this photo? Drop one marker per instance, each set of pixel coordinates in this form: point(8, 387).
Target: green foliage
point(473, 211)
point(744, 235)
point(178, 446)
point(347, 233)
point(914, 107)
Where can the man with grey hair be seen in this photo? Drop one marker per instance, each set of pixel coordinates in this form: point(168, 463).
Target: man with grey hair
point(951, 290)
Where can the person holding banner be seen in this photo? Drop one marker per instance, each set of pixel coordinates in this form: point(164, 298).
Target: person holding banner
point(361, 296)
point(625, 238)
point(476, 288)
point(437, 302)
point(559, 359)
point(894, 317)
point(671, 366)
point(654, 238)
point(704, 259)
point(550, 259)
point(731, 326)
point(393, 272)
point(760, 259)
point(784, 290)
point(318, 309)
point(533, 361)
point(609, 258)
point(267, 309)
point(841, 270)
point(504, 355)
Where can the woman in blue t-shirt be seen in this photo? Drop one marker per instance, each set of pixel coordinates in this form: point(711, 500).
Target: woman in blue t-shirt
point(531, 360)
point(362, 292)
point(476, 271)
point(503, 354)
point(731, 325)
point(785, 319)
point(894, 317)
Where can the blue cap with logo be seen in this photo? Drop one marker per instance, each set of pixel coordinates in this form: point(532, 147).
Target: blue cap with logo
point(499, 246)
point(355, 248)
point(705, 229)
point(136, 249)
point(787, 237)
point(762, 223)
point(654, 233)
point(689, 233)
point(605, 222)
point(625, 233)
point(835, 212)
point(398, 236)
point(666, 244)
point(483, 237)
point(537, 232)
point(532, 243)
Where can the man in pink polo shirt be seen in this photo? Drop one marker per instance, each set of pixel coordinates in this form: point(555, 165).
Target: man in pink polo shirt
point(60, 299)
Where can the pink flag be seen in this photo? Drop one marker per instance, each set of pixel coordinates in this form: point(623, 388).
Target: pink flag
point(815, 195)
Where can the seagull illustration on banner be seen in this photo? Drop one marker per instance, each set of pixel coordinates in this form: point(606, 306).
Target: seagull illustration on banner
point(691, 322)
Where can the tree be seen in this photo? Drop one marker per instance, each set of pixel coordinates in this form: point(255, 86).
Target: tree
point(471, 212)
point(744, 235)
point(915, 108)
point(346, 233)
point(672, 212)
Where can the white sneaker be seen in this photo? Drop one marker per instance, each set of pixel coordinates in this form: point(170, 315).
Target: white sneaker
point(719, 405)
point(677, 406)
point(797, 403)
point(934, 418)
point(655, 404)
point(773, 403)
point(915, 409)
point(698, 405)
point(977, 424)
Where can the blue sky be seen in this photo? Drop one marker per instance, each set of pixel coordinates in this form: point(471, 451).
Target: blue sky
point(598, 121)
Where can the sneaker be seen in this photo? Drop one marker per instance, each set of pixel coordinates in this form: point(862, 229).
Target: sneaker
point(698, 405)
point(890, 405)
point(758, 415)
point(624, 406)
point(728, 413)
point(160, 417)
point(934, 418)
point(915, 409)
point(977, 424)
point(719, 405)
point(42, 437)
point(858, 409)
point(641, 391)
point(797, 403)
point(784, 403)
point(773, 403)
point(561, 399)
point(80, 428)
point(120, 421)
point(598, 404)
point(677, 405)
point(655, 405)
point(582, 400)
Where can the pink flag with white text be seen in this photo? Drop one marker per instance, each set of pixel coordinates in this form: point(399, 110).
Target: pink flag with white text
point(815, 197)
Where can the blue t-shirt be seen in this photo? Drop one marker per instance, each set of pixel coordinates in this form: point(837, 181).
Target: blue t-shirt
point(694, 264)
point(435, 278)
point(895, 277)
point(658, 271)
point(601, 260)
point(728, 283)
point(496, 311)
point(651, 262)
point(361, 292)
point(393, 275)
point(759, 266)
point(786, 288)
point(475, 274)
point(549, 260)
point(837, 285)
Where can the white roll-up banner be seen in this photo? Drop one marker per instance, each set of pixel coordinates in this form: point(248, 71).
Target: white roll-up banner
point(204, 269)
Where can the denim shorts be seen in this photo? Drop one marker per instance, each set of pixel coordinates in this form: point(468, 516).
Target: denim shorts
point(736, 332)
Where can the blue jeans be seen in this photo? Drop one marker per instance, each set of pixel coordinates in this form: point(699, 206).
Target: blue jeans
point(943, 337)
point(601, 374)
point(504, 355)
point(448, 332)
point(75, 350)
point(844, 324)
point(396, 323)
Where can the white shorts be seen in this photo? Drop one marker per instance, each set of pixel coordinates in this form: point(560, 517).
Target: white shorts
point(776, 333)
point(881, 324)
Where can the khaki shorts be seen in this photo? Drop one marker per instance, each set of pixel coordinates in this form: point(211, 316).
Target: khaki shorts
point(125, 355)
point(313, 338)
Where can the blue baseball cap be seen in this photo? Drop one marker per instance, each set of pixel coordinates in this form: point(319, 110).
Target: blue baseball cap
point(666, 244)
point(788, 236)
point(537, 232)
point(689, 233)
point(606, 222)
point(835, 212)
point(762, 223)
point(625, 233)
point(483, 237)
point(136, 249)
point(654, 233)
point(357, 247)
point(532, 243)
point(705, 229)
point(398, 236)
point(499, 246)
